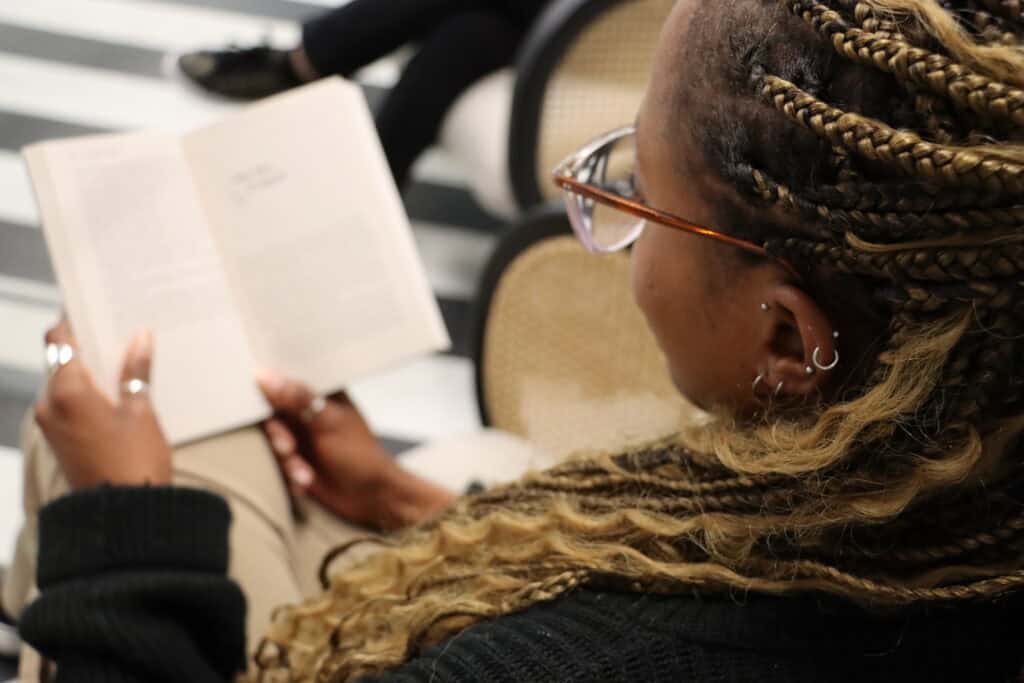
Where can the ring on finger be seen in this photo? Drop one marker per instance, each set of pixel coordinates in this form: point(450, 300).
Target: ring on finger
point(315, 407)
point(57, 356)
point(135, 386)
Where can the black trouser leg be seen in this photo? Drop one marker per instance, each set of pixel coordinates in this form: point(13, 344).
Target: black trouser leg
point(523, 10)
point(460, 51)
point(353, 35)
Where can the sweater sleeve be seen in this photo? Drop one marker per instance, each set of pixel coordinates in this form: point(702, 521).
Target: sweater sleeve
point(133, 588)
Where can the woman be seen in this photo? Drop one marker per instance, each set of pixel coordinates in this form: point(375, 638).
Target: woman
point(459, 42)
point(851, 320)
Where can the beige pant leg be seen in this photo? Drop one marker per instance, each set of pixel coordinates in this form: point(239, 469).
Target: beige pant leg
point(273, 557)
point(21, 575)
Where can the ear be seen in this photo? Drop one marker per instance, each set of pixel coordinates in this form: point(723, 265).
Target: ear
point(802, 342)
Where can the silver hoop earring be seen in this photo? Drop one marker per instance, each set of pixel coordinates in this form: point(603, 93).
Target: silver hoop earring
point(817, 361)
point(760, 378)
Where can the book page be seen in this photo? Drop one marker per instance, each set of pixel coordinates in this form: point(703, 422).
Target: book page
point(314, 236)
point(132, 249)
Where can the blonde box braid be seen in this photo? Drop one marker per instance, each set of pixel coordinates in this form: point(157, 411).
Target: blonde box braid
point(906, 489)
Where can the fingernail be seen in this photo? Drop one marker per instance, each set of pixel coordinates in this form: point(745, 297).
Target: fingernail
point(282, 445)
point(302, 474)
point(269, 379)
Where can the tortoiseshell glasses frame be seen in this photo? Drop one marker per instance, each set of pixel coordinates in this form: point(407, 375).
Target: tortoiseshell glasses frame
point(598, 179)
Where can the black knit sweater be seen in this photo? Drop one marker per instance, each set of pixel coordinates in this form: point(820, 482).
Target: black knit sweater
point(134, 589)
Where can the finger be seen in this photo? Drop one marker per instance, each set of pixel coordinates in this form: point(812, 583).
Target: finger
point(299, 472)
point(138, 357)
point(71, 388)
point(341, 398)
point(282, 441)
point(137, 367)
point(61, 333)
point(286, 396)
point(61, 350)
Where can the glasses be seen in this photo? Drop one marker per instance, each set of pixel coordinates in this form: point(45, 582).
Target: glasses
point(605, 210)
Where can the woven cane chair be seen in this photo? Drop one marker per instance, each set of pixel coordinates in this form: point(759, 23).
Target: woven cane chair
point(582, 70)
point(563, 356)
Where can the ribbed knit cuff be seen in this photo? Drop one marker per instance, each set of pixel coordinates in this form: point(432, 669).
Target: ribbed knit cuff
point(127, 528)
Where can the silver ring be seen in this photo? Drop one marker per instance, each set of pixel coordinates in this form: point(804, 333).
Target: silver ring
point(757, 381)
point(316, 406)
point(57, 356)
point(134, 387)
point(817, 361)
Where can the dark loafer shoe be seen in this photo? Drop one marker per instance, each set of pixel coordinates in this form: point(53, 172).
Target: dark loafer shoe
point(240, 73)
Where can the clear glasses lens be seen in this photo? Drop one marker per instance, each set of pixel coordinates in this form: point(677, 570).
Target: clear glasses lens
point(613, 229)
point(601, 227)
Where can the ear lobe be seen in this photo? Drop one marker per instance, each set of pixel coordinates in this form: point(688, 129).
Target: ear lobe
point(805, 330)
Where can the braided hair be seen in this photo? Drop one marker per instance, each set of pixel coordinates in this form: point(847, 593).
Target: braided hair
point(900, 199)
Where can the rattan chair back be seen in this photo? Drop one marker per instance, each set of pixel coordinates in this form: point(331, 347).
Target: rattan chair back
point(598, 82)
point(566, 359)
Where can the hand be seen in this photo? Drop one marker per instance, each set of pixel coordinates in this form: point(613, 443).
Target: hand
point(97, 440)
point(334, 457)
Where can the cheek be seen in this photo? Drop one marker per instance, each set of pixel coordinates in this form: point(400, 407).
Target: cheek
point(644, 272)
point(666, 301)
point(666, 276)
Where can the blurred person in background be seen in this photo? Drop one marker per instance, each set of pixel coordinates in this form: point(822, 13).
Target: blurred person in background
point(826, 228)
point(458, 42)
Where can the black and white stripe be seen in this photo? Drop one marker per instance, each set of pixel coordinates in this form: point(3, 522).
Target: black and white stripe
point(71, 67)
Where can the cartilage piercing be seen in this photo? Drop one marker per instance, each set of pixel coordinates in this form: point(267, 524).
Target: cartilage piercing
point(817, 361)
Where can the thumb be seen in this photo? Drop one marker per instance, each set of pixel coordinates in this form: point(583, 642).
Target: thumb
point(296, 401)
point(138, 363)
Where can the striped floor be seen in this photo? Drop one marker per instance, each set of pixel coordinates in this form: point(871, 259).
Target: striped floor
point(70, 67)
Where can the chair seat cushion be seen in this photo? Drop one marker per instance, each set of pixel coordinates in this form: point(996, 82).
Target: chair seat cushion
point(489, 457)
point(475, 136)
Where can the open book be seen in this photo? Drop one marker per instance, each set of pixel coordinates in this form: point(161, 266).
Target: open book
point(274, 238)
